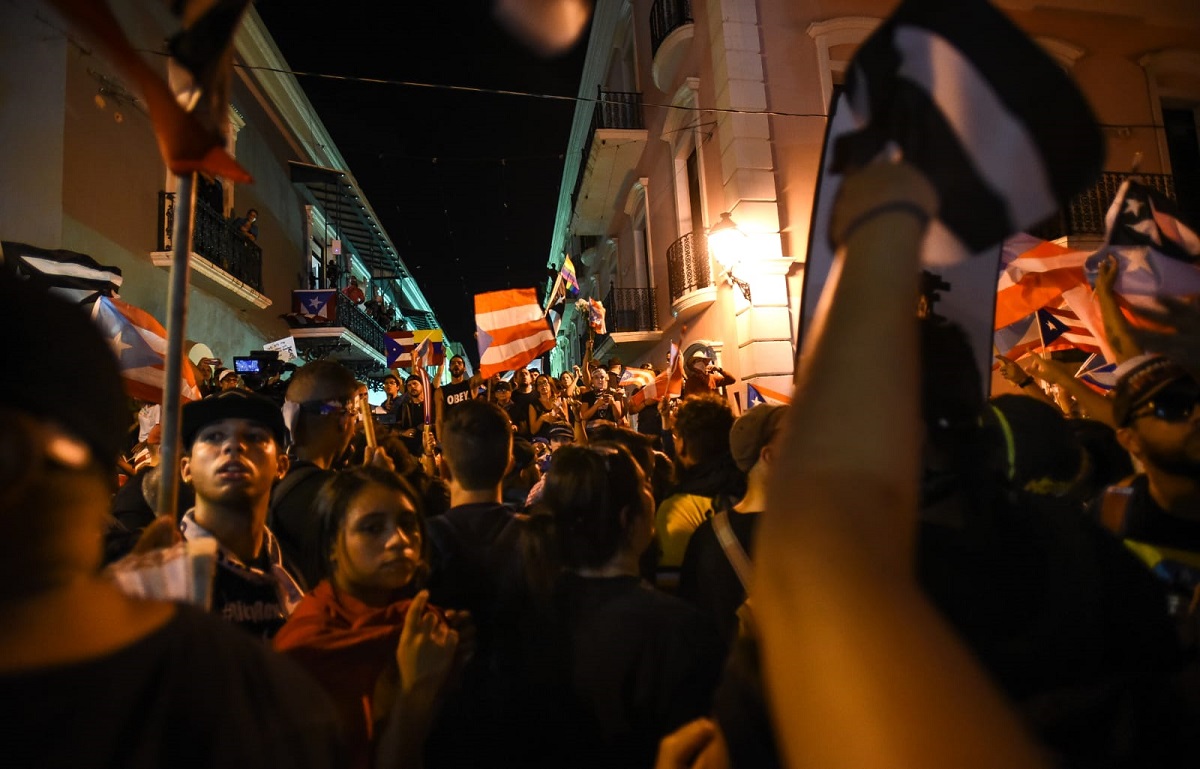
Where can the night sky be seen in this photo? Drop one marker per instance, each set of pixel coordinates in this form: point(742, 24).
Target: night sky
point(466, 222)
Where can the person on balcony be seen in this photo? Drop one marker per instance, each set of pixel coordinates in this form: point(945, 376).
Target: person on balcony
point(248, 225)
point(353, 292)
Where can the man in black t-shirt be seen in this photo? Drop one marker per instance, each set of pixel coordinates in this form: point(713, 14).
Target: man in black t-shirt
point(457, 392)
point(320, 409)
point(477, 565)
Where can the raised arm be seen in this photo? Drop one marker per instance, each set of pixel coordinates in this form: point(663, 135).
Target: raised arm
point(850, 643)
point(1091, 403)
point(1116, 326)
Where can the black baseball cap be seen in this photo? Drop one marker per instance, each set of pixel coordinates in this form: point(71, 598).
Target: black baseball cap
point(234, 404)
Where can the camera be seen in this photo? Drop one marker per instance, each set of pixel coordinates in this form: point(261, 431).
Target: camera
point(245, 364)
point(258, 369)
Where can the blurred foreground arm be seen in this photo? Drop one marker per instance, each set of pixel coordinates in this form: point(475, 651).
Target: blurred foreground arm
point(860, 670)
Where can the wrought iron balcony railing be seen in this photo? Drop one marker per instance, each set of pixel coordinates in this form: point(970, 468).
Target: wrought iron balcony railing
point(631, 309)
point(359, 323)
point(666, 16)
point(616, 110)
point(215, 239)
point(1084, 215)
point(688, 267)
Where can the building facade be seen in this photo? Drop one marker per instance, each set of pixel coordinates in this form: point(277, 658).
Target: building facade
point(79, 170)
point(690, 110)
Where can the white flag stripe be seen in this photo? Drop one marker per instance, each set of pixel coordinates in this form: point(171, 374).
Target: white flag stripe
point(70, 269)
point(971, 108)
point(500, 353)
point(153, 340)
point(509, 316)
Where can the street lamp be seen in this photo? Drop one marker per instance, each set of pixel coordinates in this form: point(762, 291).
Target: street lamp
point(727, 243)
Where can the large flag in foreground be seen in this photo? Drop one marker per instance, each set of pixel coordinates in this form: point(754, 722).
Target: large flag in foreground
point(511, 330)
point(139, 343)
point(71, 275)
point(1004, 136)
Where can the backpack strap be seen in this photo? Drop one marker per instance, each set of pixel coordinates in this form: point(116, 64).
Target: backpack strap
point(734, 551)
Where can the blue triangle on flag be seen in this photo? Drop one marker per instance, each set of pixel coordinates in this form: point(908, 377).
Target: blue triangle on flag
point(1051, 327)
point(393, 349)
point(485, 340)
point(127, 344)
point(753, 397)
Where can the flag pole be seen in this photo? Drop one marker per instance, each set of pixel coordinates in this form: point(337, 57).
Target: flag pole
point(177, 299)
point(553, 294)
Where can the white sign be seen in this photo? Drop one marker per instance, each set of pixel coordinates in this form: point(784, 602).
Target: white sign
point(286, 348)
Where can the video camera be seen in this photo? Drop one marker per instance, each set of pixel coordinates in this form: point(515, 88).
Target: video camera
point(260, 367)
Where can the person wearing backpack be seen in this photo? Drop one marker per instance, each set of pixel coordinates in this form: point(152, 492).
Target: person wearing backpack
point(716, 569)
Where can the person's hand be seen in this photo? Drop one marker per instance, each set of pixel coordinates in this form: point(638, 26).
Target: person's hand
point(1011, 370)
point(378, 457)
point(877, 188)
point(427, 648)
point(1050, 370)
point(461, 622)
point(1106, 276)
point(160, 534)
point(698, 745)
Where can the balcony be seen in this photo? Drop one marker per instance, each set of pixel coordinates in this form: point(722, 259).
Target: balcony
point(1082, 222)
point(631, 309)
point(220, 255)
point(631, 315)
point(615, 142)
point(671, 32)
point(689, 276)
point(351, 336)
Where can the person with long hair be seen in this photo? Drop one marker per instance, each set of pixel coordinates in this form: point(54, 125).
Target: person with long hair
point(365, 632)
point(547, 411)
point(637, 663)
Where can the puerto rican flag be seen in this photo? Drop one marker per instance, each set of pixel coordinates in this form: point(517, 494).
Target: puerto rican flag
point(756, 394)
point(399, 347)
point(317, 306)
point(139, 343)
point(511, 329)
point(1049, 329)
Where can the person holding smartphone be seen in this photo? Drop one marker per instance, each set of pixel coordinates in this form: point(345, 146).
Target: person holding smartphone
point(600, 404)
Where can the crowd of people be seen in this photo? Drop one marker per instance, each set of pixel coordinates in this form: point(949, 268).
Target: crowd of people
point(526, 574)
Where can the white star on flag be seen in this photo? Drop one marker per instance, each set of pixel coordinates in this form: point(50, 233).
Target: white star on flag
point(1135, 260)
point(314, 305)
point(1148, 228)
point(1133, 207)
point(119, 346)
